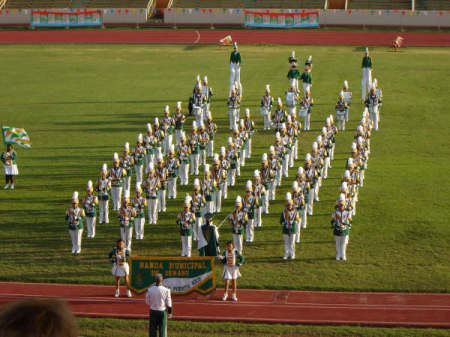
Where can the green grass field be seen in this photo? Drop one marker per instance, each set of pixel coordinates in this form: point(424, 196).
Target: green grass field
point(81, 103)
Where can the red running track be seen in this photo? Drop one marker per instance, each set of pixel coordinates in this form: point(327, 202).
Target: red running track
point(185, 36)
point(263, 306)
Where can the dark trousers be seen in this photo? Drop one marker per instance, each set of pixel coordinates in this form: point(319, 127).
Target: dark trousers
point(158, 323)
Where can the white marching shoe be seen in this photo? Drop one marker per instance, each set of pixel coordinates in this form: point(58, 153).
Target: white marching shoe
point(117, 294)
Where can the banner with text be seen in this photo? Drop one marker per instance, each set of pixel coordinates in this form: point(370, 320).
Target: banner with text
point(277, 18)
point(49, 18)
point(182, 275)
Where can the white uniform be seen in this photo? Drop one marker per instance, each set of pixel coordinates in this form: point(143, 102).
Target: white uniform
point(75, 217)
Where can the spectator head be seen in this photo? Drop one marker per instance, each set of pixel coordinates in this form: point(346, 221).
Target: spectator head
point(158, 279)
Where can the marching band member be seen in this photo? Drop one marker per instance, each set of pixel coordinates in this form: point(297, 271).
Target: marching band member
point(225, 166)
point(305, 110)
point(179, 119)
point(119, 257)
point(172, 164)
point(279, 115)
point(183, 151)
point(249, 203)
point(238, 143)
point(139, 158)
point(139, 204)
point(208, 187)
point(266, 108)
point(235, 67)
point(327, 147)
point(267, 180)
point(287, 144)
point(232, 259)
point(299, 204)
point(306, 79)
point(126, 220)
point(208, 238)
point(203, 143)
point(275, 166)
point(341, 108)
point(341, 222)
point(151, 186)
point(291, 100)
point(311, 181)
point(103, 188)
point(75, 217)
point(317, 163)
point(308, 62)
point(332, 132)
point(162, 173)
point(233, 107)
point(198, 103)
point(116, 175)
point(207, 93)
point(250, 129)
point(185, 220)
point(289, 220)
point(193, 142)
point(379, 94)
point(149, 143)
point(9, 158)
point(304, 191)
point(238, 219)
point(347, 98)
point(293, 74)
point(89, 205)
point(292, 132)
point(211, 128)
point(260, 194)
point(372, 104)
point(232, 157)
point(366, 74)
point(126, 161)
point(168, 124)
point(219, 175)
point(244, 137)
point(198, 203)
point(160, 136)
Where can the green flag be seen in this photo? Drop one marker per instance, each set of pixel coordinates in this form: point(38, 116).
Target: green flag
point(17, 136)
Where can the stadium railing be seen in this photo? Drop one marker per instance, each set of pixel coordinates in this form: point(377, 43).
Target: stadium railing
point(379, 4)
point(38, 4)
point(116, 3)
point(432, 5)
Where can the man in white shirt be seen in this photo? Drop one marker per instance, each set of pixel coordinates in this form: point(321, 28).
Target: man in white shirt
point(158, 299)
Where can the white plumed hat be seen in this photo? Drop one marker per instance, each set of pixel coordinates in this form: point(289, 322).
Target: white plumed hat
point(300, 170)
point(194, 125)
point(104, 168)
point(271, 149)
point(196, 182)
point(156, 121)
point(308, 157)
point(235, 45)
point(205, 79)
point(126, 147)
point(149, 126)
point(264, 157)
point(140, 138)
point(324, 130)
point(280, 103)
point(116, 157)
point(314, 146)
point(295, 186)
point(366, 50)
point(344, 186)
point(206, 168)
point(75, 197)
point(345, 84)
point(197, 78)
point(288, 196)
point(341, 197)
point(353, 146)
point(328, 121)
point(249, 185)
point(268, 87)
point(89, 185)
point(216, 157)
point(230, 141)
point(277, 135)
point(247, 112)
point(341, 94)
point(151, 166)
point(222, 150)
point(179, 104)
point(347, 174)
point(238, 200)
point(172, 148)
point(166, 108)
point(256, 174)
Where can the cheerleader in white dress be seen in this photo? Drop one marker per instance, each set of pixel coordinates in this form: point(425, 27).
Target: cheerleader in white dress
point(232, 260)
point(119, 257)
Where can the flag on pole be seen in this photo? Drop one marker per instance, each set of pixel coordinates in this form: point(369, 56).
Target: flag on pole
point(398, 42)
point(226, 41)
point(17, 136)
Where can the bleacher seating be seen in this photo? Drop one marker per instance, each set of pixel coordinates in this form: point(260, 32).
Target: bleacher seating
point(249, 3)
point(208, 4)
point(319, 4)
point(379, 4)
point(433, 5)
point(77, 3)
point(116, 3)
point(38, 4)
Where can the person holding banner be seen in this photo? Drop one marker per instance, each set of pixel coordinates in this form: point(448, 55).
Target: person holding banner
point(186, 220)
point(366, 81)
point(119, 257)
point(158, 299)
point(9, 166)
point(232, 259)
point(208, 237)
point(235, 68)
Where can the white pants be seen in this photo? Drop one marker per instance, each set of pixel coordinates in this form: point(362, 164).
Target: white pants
point(267, 122)
point(103, 206)
point(258, 216)
point(361, 178)
point(161, 200)
point(166, 144)
point(205, 108)
point(233, 117)
point(139, 170)
point(202, 157)
point(149, 158)
point(332, 151)
point(294, 151)
point(225, 189)
point(341, 124)
point(90, 223)
point(291, 159)
point(177, 136)
point(172, 188)
point(346, 114)
point(326, 166)
point(250, 230)
point(248, 149)
point(209, 207)
point(238, 167)
point(75, 236)
point(304, 216)
point(242, 158)
point(289, 245)
point(184, 176)
point(286, 161)
point(307, 122)
point(217, 200)
point(237, 242)
point(273, 189)
point(278, 175)
point(266, 203)
point(341, 247)
point(297, 234)
point(152, 211)
point(311, 200)
point(198, 113)
point(210, 148)
point(126, 234)
point(316, 189)
point(235, 76)
point(126, 186)
point(195, 159)
point(293, 82)
point(186, 245)
point(374, 117)
point(116, 196)
point(292, 110)
point(366, 82)
point(197, 226)
point(231, 178)
point(139, 228)
point(306, 87)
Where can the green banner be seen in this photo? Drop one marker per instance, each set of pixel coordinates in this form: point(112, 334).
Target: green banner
point(182, 275)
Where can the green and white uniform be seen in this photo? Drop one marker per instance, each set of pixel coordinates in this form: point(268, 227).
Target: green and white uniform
point(75, 219)
point(186, 220)
point(90, 208)
point(289, 220)
point(235, 69)
point(139, 220)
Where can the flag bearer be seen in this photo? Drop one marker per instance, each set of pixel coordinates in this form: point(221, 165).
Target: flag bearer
point(289, 220)
point(139, 204)
point(126, 162)
point(116, 175)
point(186, 220)
point(208, 238)
point(75, 217)
point(9, 158)
point(90, 203)
point(341, 222)
point(238, 220)
point(172, 164)
point(151, 187)
point(103, 188)
point(139, 159)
